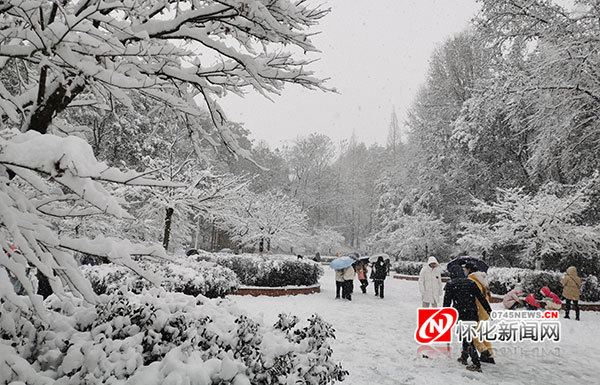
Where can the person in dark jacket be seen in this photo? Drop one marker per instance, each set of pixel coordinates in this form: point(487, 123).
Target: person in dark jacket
point(378, 274)
point(461, 293)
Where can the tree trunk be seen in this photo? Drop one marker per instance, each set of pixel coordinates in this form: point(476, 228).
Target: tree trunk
point(167, 234)
point(261, 245)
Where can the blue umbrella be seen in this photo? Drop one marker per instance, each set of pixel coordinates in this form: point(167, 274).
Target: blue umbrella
point(462, 260)
point(341, 263)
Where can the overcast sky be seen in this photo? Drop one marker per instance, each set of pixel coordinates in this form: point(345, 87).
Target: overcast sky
point(375, 53)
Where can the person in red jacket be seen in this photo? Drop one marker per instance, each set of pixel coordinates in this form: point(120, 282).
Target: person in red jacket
point(531, 303)
point(362, 271)
point(552, 300)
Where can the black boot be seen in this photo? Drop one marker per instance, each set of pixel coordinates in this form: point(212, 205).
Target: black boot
point(576, 315)
point(474, 368)
point(486, 357)
point(462, 360)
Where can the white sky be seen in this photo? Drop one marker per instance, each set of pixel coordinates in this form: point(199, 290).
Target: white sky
point(375, 53)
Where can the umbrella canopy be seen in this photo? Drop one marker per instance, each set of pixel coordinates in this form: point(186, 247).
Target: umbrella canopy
point(363, 258)
point(341, 263)
point(462, 260)
point(375, 257)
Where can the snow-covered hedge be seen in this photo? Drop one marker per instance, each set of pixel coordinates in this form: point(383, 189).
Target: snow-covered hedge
point(412, 267)
point(269, 270)
point(503, 279)
point(160, 337)
point(183, 275)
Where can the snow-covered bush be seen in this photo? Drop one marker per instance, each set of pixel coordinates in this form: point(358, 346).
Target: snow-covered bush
point(407, 267)
point(185, 276)
point(161, 338)
point(270, 270)
point(412, 267)
point(503, 279)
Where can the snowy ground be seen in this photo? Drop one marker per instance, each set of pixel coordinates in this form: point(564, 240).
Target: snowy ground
point(375, 341)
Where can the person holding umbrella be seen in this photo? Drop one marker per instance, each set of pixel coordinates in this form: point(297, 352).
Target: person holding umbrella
point(430, 283)
point(348, 283)
point(341, 265)
point(361, 272)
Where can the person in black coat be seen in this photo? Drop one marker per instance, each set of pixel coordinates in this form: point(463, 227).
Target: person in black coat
point(461, 293)
point(378, 275)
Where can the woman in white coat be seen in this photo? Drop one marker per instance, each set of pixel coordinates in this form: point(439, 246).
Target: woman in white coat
point(430, 283)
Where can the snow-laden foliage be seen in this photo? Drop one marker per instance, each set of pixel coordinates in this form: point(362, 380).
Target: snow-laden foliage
point(543, 225)
point(161, 338)
point(57, 177)
point(544, 86)
point(408, 236)
point(503, 279)
point(270, 270)
point(172, 213)
point(89, 54)
point(181, 275)
point(267, 221)
point(325, 240)
point(92, 52)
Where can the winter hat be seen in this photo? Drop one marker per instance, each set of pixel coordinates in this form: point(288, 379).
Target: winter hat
point(546, 291)
point(532, 301)
point(432, 260)
point(456, 272)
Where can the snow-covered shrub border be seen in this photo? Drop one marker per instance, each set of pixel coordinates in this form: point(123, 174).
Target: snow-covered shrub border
point(412, 267)
point(503, 279)
point(182, 275)
point(160, 337)
point(269, 270)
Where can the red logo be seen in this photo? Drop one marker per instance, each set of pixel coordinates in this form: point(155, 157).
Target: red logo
point(435, 324)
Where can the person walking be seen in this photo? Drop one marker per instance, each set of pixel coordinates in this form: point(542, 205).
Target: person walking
point(571, 291)
point(348, 285)
point(430, 283)
point(361, 272)
point(378, 275)
point(480, 279)
point(339, 282)
point(461, 293)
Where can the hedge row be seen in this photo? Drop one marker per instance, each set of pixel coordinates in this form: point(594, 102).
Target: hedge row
point(158, 338)
point(269, 270)
point(503, 279)
point(182, 275)
point(413, 268)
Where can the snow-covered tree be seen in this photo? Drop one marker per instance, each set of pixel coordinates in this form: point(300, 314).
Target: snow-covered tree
point(265, 221)
point(326, 240)
point(56, 55)
point(92, 52)
point(545, 86)
point(542, 225)
point(412, 237)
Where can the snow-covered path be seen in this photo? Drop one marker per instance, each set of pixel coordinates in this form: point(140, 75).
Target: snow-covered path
point(375, 341)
